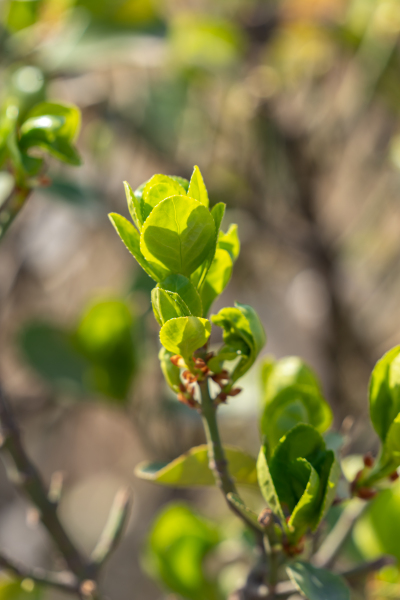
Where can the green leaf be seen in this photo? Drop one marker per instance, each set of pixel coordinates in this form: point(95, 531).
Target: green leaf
point(197, 188)
point(217, 278)
point(51, 353)
point(377, 531)
point(133, 206)
point(185, 335)
point(54, 128)
point(178, 235)
point(178, 544)
point(167, 305)
point(290, 406)
point(243, 334)
point(229, 241)
point(301, 476)
point(182, 181)
point(170, 371)
point(184, 287)
point(317, 584)
point(389, 457)
point(131, 239)
point(158, 188)
point(267, 486)
point(191, 469)
point(384, 392)
point(285, 373)
point(244, 510)
point(198, 277)
point(105, 337)
point(14, 590)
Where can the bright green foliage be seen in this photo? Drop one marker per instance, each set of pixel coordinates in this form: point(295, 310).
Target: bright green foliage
point(167, 305)
point(184, 335)
point(53, 127)
point(14, 590)
point(177, 545)
point(182, 286)
point(178, 234)
point(299, 479)
point(192, 469)
point(197, 188)
point(384, 404)
point(170, 371)
point(243, 335)
point(98, 356)
point(378, 530)
point(158, 188)
point(317, 584)
point(292, 395)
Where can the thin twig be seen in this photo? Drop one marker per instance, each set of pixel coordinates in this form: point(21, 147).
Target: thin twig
point(64, 580)
point(113, 529)
point(335, 540)
point(10, 209)
point(32, 484)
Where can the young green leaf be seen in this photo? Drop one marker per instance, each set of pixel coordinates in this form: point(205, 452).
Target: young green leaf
point(197, 188)
point(130, 236)
point(217, 278)
point(243, 334)
point(185, 335)
point(198, 277)
point(290, 406)
point(192, 469)
point(177, 547)
point(170, 371)
point(167, 305)
point(229, 241)
point(178, 234)
point(184, 287)
point(286, 372)
point(317, 584)
point(302, 476)
point(384, 392)
point(134, 206)
point(158, 188)
point(54, 128)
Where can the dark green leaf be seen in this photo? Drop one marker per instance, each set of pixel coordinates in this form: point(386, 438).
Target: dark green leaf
point(384, 392)
point(317, 584)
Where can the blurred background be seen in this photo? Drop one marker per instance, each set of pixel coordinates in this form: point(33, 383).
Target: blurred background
point(291, 110)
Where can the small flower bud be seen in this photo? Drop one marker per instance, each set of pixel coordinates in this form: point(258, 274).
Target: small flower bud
point(368, 460)
point(394, 476)
point(222, 397)
point(199, 363)
point(234, 391)
point(176, 359)
point(189, 377)
point(366, 493)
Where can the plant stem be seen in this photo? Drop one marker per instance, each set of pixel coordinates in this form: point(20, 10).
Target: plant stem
point(64, 580)
point(335, 540)
point(217, 460)
point(11, 208)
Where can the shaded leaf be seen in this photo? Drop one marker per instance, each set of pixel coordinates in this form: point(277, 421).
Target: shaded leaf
point(317, 584)
point(384, 392)
point(167, 305)
point(134, 206)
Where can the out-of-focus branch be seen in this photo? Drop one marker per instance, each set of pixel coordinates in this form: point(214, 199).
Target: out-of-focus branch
point(113, 529)
point(11, 207)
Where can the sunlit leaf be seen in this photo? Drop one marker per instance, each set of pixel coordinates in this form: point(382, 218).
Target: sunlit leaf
point(167, 305)
point(130, 236)
point(178, 234)
point(191, 469)
point(197, 188)
point(183, 286)
point(158, 188)
point(185, 335)
point(217, 278)
point(229, 241)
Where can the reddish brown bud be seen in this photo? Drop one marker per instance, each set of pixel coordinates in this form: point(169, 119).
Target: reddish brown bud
point(176, 359)
point(45, 180)
point(394, 476)
point(182, 387)
point(205, 370)
point(188, 376)
point(368, 460)
point(366, 493)
point(265, 516)
point(199, 363)
point(234, 392)
point(222, 397)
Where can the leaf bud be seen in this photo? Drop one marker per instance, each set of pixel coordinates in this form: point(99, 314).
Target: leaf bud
point(394, 476)
point(368, 460)
point(234, 391)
